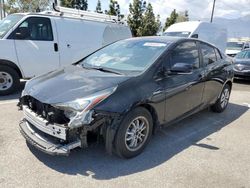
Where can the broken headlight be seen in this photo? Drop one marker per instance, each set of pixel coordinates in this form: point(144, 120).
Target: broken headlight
point(79, 111)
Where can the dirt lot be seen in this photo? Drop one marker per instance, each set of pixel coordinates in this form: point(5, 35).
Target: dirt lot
point(205, 150)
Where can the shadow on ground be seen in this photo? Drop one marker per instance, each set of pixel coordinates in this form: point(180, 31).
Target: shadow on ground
point(242, 81)
point(165, 144)
point(15, 95)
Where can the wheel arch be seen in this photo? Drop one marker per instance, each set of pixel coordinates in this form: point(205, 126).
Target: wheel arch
point(230, 83)
point(12, 65)
point(153, 113)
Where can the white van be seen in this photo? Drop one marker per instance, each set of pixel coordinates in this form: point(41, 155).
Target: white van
point(236, 45)
point(205, 31)
point(34, 44)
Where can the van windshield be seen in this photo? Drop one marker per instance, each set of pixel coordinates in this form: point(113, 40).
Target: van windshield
point(235, 45)
point(126, 56)
point(177, 34)
point(7, 23)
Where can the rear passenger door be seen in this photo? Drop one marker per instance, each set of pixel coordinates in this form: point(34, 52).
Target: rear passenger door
point(183, 91)
point(213, 66)
point(36, 46)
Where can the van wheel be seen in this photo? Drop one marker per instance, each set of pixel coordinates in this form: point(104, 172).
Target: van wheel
point(134, 133)
point(222, 102)
point(9, 80)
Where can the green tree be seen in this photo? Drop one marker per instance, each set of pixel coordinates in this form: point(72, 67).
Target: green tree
point(78, 4)
point(183, 16)
point(171, 20)
point(98, 8)
point(151, 24)
point(13, 6)
point(114, 8)
point(135, 17)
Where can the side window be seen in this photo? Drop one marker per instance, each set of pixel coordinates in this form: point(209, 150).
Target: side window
point(247, 55)
point(218, 55)
point(187, 53)
point(34, 28)
point(208, 54)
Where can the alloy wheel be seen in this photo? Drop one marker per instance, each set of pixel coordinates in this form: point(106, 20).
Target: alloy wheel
point(137, 133)
point(224, 98)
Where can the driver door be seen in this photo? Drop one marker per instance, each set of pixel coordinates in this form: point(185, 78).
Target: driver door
point(36, 46)
point(183, 90)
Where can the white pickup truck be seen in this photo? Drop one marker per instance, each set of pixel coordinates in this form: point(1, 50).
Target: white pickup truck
point(32, 44)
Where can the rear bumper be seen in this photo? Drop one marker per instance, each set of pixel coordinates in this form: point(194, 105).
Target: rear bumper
point(44, 143)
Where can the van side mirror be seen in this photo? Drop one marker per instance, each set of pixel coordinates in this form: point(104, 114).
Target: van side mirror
point(246, 46)
point(181, 68)
point(22, 33)
point(195, 36)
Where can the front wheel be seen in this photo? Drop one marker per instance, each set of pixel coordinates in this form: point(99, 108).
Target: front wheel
point(223, 100)
point(134, 133)
point(9, 80)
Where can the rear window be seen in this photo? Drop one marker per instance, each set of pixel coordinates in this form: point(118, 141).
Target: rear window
point(218, 55)
point(208, 54)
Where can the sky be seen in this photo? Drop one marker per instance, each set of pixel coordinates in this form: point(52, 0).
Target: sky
point(198, 9)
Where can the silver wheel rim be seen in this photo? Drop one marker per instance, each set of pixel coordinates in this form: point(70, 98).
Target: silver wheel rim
point(6, 81)
point(224, 98)
point(137, 133)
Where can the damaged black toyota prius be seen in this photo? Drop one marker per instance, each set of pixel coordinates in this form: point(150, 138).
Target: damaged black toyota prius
point(121, 93)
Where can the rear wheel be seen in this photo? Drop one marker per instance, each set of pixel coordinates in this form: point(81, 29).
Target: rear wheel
point(9, 80)
point(223, 100)
point(134, 133)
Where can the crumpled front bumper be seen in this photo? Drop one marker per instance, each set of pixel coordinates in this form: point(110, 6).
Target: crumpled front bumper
point(43, 143)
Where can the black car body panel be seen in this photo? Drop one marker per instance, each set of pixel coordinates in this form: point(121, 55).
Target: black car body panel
point(70, 83)
point(167, 96)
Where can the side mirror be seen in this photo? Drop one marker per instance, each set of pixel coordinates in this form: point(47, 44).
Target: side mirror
point(22, 33)
point(246, 46)
point(181, 68)
point(195, 36)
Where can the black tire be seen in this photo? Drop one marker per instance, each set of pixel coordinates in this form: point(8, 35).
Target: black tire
point(121, 146)
point(219, 106)
point(15, 80)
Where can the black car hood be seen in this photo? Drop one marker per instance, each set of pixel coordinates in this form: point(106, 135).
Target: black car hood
point(70, 83)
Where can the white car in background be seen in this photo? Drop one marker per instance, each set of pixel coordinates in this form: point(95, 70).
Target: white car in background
point(36, 43)
point(234, 47)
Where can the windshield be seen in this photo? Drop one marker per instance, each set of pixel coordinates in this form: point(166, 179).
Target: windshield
point(243, 55)
point(126, 56)
point(177, 34)
point(7, 23)
point(235, 45)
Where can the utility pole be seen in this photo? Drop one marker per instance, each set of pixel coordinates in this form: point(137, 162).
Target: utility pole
point(1, 10)
point(212, 16)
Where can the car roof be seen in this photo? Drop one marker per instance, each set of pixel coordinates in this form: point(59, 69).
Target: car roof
point(163, 39)
point(167, 39)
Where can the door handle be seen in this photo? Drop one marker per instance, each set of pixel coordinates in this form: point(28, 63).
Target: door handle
point(56, 47)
